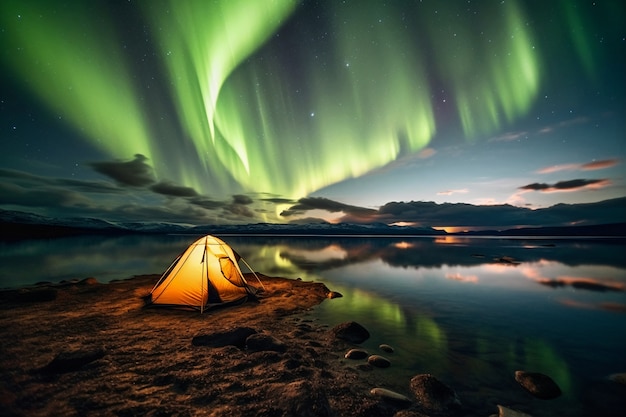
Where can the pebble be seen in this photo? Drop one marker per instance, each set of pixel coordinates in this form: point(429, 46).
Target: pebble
point(356, 354)
point(389, 395)
point(379, 361)
point(386, 348)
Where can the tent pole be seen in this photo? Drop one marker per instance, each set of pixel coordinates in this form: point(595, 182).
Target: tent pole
point(166, 272)
point(204, 265)
point(254, 273)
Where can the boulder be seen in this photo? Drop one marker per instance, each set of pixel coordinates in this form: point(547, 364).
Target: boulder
point(379, 361)
point(261, 342)
point(235, 337)
point(351, 331)
point(433, 395)
point(356, 354)
point(71, 361)
point(539, 385)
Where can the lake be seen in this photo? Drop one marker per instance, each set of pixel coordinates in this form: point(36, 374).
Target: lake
point(470, 311)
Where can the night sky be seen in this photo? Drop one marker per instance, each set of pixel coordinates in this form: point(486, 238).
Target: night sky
point(245, 111)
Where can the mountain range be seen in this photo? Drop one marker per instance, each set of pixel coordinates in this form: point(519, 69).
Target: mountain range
point(20, 225)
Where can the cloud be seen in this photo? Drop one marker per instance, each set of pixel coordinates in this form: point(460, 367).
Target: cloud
point(591, 166)
point(563, 124)
point(207, 203)
point(607, 163)
point(426, 153)
point(242, 199)
point(450, 192)
point(279, 200)
point(570, 185)
point(431, 214)
point(160, 201)
point(558, 168)
point(169, 189)
point(135, 173)
point(13, 194)
point(167, 202)
point(321, 203)
point(509, 136)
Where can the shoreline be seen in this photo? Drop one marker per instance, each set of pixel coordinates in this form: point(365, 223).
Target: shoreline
point(147, 364)
point(84, 348)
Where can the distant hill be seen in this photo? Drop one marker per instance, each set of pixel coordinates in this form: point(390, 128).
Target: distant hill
point(613, 229)
point(20, 225)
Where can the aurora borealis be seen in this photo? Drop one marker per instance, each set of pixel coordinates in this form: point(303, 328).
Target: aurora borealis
point(235, 110)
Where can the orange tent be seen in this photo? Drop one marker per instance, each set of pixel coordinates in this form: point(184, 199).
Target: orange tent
point(206, 274)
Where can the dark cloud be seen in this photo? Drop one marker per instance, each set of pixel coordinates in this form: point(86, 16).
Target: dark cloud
point(452, 214)
point(320, 203)
point(135, 173)
point(13, 194)
point(240, 210)
point(169, 189)
point(207, 203)
point(565, 185)
point(242, 199)
point(279, 200)
point(502, 216)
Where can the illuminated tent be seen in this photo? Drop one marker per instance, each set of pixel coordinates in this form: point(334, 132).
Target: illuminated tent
point(205, 275)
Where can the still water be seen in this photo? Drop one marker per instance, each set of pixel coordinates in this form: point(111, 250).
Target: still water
point(470, 311)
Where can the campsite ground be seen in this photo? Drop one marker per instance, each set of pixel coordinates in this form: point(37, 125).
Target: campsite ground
point(141, 361)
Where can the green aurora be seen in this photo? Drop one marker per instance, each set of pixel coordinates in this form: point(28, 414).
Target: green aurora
point(217, 107)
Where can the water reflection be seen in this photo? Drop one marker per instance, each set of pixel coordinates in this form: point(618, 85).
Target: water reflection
point(106, 258)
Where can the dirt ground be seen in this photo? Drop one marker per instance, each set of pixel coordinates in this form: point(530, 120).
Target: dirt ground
point(146, 364)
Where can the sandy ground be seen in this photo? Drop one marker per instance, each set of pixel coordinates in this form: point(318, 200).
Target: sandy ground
point(150, 367)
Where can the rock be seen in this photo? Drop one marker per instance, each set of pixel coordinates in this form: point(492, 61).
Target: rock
point(334, 294)
point(539, 385)
point(433, 395)
point(389, 395)
point(235, 337)
point(260, 342)
point(386, 348)
point(89, 281)
point(72, 361)
point(379, 361)
point(508, 412)
point(351, 331)
point(620, 378)
point(356, 354)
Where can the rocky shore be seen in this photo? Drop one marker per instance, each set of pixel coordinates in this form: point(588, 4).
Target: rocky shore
point(90, 349)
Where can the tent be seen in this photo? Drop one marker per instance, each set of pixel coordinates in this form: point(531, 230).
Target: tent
point(206, 274)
